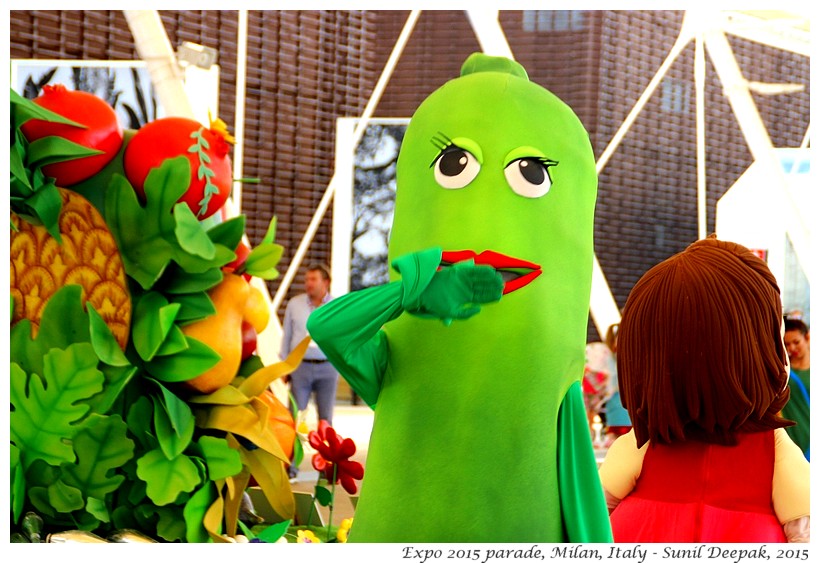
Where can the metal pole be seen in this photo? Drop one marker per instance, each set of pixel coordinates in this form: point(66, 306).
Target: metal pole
point(488, 31)
point(357, 135)
point(155, 49)
point(683, 39)
point(239, 119)
point(700, 132)
point(757, 138)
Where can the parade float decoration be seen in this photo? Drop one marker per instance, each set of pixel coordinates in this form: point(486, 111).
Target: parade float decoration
point(139, 409)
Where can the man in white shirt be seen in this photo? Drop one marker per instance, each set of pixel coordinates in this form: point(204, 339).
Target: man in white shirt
point(315, 374)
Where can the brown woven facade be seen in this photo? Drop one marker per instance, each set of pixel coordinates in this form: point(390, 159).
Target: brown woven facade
point(307, 68)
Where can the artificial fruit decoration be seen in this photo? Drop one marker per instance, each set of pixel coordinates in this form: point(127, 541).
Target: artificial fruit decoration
point(87, 256)
point(206, 148)
point(100, 130)
point(235, 300)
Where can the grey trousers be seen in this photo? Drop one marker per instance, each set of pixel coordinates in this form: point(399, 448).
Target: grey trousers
point(319, 378)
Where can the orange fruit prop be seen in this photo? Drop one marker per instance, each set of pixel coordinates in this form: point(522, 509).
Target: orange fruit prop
point(280, 422)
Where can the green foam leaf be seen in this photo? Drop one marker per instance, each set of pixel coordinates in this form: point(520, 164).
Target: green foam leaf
point(174, 423)
point(45, 410)
point(185, 365)
point(222, 460)
point(263, 258)
point(102, 446)
point(167, 479)
point(190, 234)
point(194, 513)
point(103, 341)
point(228, 233)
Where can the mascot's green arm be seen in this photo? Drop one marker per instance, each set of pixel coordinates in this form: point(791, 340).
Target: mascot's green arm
point(586, 518)
point(348, 329)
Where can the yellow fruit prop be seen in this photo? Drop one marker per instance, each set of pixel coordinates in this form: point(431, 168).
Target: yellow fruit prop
point(88, 256)
point(235, 300)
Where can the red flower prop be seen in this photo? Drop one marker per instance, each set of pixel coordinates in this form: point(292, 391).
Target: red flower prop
point(335, 452)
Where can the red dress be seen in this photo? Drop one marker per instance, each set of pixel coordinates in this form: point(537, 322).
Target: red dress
point(704, 493)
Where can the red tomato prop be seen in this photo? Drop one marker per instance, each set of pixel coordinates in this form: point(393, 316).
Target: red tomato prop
point(242, 251)
point(103, 132)
point(206, 149)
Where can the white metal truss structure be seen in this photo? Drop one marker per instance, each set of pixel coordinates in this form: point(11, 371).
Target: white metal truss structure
point(707, 28)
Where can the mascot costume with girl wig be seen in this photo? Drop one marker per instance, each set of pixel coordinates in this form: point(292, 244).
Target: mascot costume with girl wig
point(472, 356)
point(703, 373)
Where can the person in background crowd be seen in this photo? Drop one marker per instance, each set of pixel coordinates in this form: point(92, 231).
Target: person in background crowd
point(703, 373)
point(315, 375)
point(796, 339)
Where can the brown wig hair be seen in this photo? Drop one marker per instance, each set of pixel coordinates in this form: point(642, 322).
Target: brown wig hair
point(700, 355)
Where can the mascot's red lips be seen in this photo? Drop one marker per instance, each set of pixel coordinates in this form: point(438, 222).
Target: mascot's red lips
point(516, 273)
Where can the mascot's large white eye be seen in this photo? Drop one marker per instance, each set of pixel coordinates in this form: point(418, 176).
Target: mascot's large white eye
point(529, 177)
point(455, 168)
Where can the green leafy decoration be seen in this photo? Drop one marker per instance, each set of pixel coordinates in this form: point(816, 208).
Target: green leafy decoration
point(122, 517)
point(33, 195)
point(24, 109)
point(48, 150)
point(153, 319)
point(193, 306)
point(183, 283)
point(98, 509)
point(38, 497)
point(171, 524)
point(223, 461)
point(262, 261)
point(116, 380)
point(167, 478)
point(228, 233)
point(274, 532)
point(323, 495)
point(199, 148)
point(194, 513)
point(174, 343)
point(102, 446)
point(270, 234)
point(147, 236)
point(63, 322)
point(103, 341)
point(174, 423)
point(18, 484)
point(139, 418)
point(41, 474)
point(45, 410)
point(65, 498)
point(190, 235)
point(185, 365)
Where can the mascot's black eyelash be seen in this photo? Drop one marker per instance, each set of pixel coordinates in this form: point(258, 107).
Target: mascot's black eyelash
point(547, 162)
point(442, 142)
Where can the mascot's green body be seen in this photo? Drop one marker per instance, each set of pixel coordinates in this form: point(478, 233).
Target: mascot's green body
point(480, 432)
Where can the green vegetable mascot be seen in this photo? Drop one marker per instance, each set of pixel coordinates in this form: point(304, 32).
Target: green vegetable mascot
point(472, 355)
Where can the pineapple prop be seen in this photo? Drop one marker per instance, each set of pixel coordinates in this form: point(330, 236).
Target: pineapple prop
point(87, 255)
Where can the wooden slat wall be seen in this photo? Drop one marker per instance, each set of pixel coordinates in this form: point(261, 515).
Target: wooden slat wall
point(305, 68)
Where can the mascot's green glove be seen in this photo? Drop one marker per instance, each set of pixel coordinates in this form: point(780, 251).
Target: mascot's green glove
point(349, 329)
point(457, 292)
